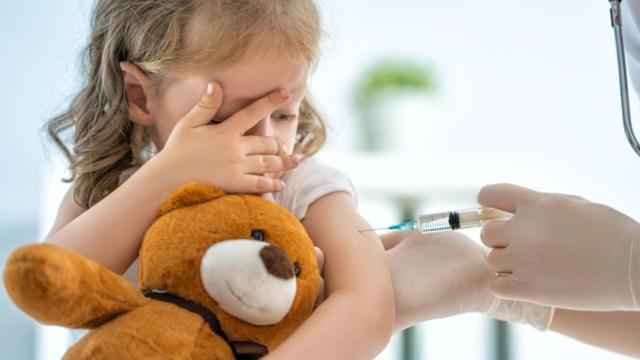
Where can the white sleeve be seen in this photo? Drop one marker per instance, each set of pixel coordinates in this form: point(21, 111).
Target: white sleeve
point(630, 11)
point(310, 181)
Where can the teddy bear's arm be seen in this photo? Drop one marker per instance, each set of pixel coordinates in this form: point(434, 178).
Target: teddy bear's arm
point(57, 286)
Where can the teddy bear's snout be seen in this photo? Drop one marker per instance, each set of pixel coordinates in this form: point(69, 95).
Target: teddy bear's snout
point(252, 280)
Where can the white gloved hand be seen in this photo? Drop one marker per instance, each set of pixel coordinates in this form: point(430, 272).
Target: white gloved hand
point(445, 274)
point(562, 251)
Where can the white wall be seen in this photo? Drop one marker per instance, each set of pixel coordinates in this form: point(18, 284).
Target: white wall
point(38, 71)
point(524, 84)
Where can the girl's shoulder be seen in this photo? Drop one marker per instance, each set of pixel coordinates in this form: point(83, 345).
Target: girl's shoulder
point(127, 173)
point(311, 180)
point(146, 155)
point(68, 210)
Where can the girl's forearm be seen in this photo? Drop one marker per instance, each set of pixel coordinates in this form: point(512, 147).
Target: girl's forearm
point(342, 327)
point(111, 231)
point(615, 331)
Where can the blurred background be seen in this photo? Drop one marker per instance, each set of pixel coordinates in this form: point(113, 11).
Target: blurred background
point(426, 102)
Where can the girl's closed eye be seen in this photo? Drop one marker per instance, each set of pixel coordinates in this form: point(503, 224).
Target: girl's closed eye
point(284, 117)
point(274, 116)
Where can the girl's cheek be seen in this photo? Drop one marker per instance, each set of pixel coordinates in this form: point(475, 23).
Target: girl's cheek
point(171, 106)
point(164, 125)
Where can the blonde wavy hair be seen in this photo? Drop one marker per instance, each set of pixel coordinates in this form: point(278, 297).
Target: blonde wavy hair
point(152, 34)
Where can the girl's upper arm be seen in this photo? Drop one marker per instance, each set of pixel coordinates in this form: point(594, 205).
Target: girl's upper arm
point(350, 256)
point(67, 211)
point(357, 279)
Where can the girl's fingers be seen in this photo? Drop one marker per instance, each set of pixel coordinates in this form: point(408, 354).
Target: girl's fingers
point(240, 122)
point(206, 108)
point(321, 293)
point(258, 184)
point(261, 145)
point(264, 164)
point(290, 161)
point(319, 259)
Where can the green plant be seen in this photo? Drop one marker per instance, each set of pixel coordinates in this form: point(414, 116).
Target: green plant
point(401, 75)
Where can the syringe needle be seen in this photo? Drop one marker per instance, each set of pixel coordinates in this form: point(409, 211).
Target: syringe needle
point(373, 229)
point(404, 226)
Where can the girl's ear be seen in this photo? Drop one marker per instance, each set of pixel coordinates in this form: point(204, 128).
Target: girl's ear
point(137, 86)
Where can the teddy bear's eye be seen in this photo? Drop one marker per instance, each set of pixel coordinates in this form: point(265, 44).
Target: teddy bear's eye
point(258, 235)
point(296, 269)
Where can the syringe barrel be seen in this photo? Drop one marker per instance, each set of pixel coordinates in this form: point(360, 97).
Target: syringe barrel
point(437, 222)
point(463, 219)
point(479, 217)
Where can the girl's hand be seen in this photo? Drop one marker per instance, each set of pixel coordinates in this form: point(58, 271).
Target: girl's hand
point(220, 154)
point(321, 291)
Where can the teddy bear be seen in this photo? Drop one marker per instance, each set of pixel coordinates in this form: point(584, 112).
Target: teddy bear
point(215, 271)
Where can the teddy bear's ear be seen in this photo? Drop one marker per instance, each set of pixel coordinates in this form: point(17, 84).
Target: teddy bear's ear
point(188, 195)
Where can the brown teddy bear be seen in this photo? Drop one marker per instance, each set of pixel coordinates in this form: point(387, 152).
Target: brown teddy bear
point(216, 270)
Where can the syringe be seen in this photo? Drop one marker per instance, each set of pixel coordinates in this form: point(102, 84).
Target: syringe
point(450, 220)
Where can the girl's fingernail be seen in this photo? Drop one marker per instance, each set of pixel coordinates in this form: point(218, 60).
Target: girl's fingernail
point(285, 148)
point(210, 89)
point(281, 185)
point(284, 93)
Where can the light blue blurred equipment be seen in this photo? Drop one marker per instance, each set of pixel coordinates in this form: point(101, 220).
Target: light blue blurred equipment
point(616, 23)
point(450, 220)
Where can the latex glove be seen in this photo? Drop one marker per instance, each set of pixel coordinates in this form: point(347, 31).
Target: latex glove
point(445, 274)
point(562, 250)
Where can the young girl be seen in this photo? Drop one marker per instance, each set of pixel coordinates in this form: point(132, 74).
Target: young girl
point(218, 87)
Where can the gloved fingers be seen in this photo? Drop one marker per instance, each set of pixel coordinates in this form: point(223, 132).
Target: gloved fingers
point(506, 286)
point(498, 261)
point(506, 197)
point(494, 234)
point(390, 240)
point(570, 196)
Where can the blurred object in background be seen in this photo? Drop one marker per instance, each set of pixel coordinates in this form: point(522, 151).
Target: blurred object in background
point(38, 69)
point(393, 99)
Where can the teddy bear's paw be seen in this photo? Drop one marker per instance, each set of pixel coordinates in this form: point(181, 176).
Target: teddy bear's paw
point(38, 277)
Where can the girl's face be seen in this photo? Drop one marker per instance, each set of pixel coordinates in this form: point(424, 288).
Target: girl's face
point(242, 84)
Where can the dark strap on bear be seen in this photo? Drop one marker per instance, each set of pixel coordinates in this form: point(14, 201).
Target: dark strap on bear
point(206, 315)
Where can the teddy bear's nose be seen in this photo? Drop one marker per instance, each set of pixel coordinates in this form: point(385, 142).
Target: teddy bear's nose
point(277, 262)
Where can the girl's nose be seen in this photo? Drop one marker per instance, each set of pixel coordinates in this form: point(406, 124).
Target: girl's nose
point(262, 128)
